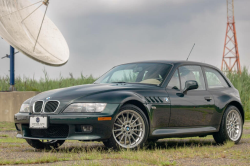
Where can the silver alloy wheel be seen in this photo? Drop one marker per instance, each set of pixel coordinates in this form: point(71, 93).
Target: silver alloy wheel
point(129, 129)
point(234, 125)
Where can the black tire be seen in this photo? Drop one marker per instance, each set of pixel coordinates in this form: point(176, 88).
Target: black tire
point(37, 144)
point(151, 143)
point(112, 143)
point(222, 136)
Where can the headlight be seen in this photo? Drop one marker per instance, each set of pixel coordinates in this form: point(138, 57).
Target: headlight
point(86, 107)
point(25, 108)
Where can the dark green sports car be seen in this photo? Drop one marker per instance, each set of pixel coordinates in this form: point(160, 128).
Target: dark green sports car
point(135, 103)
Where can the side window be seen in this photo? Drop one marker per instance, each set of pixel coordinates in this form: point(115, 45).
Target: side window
point(215, 79)
point(175, 81)
point(188, 73)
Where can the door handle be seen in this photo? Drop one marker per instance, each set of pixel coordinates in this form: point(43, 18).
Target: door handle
point(208, 98)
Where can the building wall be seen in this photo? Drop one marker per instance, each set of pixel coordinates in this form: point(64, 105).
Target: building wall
point(10, 103)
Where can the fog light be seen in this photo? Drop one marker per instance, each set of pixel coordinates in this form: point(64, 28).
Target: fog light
point(18, 126)
point(87, 128)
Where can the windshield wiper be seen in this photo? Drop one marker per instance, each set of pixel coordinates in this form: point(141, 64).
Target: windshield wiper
point(119, 82)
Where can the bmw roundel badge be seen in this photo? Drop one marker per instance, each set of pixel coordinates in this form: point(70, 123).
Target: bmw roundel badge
point(37, 120)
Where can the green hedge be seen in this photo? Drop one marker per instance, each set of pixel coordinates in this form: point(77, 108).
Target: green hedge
point(45, 83)
point(241, 82)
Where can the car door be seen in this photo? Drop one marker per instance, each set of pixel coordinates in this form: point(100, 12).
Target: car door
point(194, 108)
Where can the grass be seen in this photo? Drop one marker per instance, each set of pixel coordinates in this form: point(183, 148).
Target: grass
point(155, 156)
point(11, 140)
point(165, 152)
point(44, 159)
point(45, 83)
point(7, 126)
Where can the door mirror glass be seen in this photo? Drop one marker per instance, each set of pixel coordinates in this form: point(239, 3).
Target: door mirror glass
point(190, 85)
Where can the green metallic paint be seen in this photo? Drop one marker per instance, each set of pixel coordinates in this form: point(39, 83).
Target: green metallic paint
point(166, 119)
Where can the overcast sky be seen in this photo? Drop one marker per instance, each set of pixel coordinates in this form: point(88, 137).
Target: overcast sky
point(105, 33)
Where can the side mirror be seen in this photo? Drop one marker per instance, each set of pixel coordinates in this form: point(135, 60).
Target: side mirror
point(190, 85)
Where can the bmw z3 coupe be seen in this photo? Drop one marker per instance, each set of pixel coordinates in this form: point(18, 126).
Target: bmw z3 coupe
point(135, 103)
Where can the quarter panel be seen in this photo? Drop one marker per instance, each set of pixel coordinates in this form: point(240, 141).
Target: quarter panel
point(222, 98)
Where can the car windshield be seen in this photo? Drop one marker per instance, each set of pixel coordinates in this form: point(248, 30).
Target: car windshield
point(143, 73)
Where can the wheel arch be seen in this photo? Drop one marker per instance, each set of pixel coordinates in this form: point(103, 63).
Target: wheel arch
point(139, 105)
point(239, 106)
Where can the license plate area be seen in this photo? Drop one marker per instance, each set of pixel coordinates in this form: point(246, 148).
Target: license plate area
point(38, 122)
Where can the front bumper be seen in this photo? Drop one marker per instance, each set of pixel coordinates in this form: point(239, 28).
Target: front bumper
point(102, 130)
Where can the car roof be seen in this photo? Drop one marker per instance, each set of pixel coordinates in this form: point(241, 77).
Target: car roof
point(175, 62)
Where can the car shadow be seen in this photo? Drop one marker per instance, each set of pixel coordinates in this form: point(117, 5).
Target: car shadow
point(180, 143)
point(161, 144)
point(79, 147)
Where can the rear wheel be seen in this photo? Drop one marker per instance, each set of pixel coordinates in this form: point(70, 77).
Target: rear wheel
point(45, 144)
point(130, 129)
point(231, 126)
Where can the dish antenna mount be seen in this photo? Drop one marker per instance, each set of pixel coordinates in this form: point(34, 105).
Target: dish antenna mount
point(46, 2)
point(26, 28)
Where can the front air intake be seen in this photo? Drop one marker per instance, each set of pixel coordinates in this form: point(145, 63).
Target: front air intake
point(54, 131)
point(51, 106)
point(38, 106)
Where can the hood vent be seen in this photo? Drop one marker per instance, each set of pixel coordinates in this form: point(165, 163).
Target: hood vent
point(154, 99)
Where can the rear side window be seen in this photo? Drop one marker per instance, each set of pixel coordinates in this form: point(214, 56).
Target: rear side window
point(215, 79)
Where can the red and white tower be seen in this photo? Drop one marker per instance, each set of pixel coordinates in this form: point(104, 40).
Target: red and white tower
point(231, 56)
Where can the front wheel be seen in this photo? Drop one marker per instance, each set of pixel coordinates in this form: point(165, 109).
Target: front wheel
point(45, 144)
point(231, 126)
point(130, 129)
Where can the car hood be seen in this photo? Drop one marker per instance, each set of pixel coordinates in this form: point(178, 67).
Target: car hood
point(73, 93)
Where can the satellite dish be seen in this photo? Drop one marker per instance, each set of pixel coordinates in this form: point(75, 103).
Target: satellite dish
point(25, 27)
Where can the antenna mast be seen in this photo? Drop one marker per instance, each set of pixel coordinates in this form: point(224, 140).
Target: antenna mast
point(231, 56)
point(190, 52)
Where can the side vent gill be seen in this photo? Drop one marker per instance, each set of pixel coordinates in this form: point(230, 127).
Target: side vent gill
point(154, 100)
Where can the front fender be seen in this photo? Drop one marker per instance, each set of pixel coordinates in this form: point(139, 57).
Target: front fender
point(118, 97)
point(114, 97)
